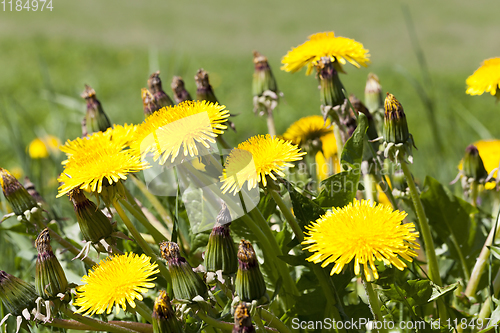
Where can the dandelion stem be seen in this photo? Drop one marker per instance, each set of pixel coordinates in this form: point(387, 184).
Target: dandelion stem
point(481, 261)
point(165, 216)
point(142, 243)
point(297, 230)
point(374, 304)
point(427, 236)
point(143, 310)
point(96, 324)
point(270, 124)
point(155, 233)
point(76, 325)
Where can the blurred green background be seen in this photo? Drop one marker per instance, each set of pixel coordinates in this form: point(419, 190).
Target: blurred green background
point(47, 57)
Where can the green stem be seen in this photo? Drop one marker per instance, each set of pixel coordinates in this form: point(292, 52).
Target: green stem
point(297, 230)
point(486, 309)
point(142, 243)
point(338, 139)
point(144, 311)
point(96, 324)
point(155, 233)
point(474, 193)
point(274, 321)
point(426, 233)
point(481, 261)
point(165, 216)
point(223, 142)
point(369, 188)
point(76, 325)
point(214, 322)
point(424, 226)
point(258, 321)
point(374, 304)
point(270, 124)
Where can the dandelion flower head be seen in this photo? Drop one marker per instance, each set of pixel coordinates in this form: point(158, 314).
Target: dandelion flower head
point(256, 158)
point(362, 231)
point(115, 280)
point(485, 79)
point(325, 44)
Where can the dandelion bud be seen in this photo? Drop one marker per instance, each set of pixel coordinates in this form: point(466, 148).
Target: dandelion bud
point(149, 103)
point(50, 279)
point(180, 92)
point(473, 167)
point(15, 193)
point(94, 225)
point(396, 135)
point(204, 91)
point(221, 253)
point(331, 89)
point(263, 78)
point(16, 294)
point(95, 119)
point(249, 284)
point(154, 85)
point(373, 93)
point(186, 284)
point(395, 126)
point(242, 319)
point(164, 319)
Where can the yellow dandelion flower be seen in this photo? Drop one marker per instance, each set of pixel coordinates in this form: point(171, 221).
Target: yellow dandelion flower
point(256, 158)
point(187, 126)
point(327, 160)
point(325, 44)
point(37, 149)
point(485, 79)
point(306, 129)
point(98, 159)
point(362, 231)
point(115, 280)
point(489, 151)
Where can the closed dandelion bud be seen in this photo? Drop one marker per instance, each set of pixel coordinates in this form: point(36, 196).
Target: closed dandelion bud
point(221, 252)
point(473, 167)
point(180, 92)
point(149, 103)
point(249, 284)
point(164, 319)
point(396, 135)
point(95, 119)
point(263, 78)
point(186, 284)
point(242, 319)
point(395, 126)
point(373, 93)
point(50, 279)
point(16, 294)
point(331, 89)
point(15, 193)
point(204, 91)
point(94, 225)
point(155, 87)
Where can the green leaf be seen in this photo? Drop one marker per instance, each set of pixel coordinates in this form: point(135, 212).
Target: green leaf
point(449, 216)
point(340, 189)
point(438, 291)
point(304, 209)
point(412, 292)
point(353, 148)
point(294, 260)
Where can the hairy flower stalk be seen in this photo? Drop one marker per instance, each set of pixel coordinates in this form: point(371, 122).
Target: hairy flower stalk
point(186, 284)
point(249, 284)
point(374, 100)
point(180, 92)
point(265, 90)
point(221, 252)
point(242, 319)
point(50, 279)
point(149, 103)
point(155, 87)
point(94, 225)
point(164, 319)
point(95, 119)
